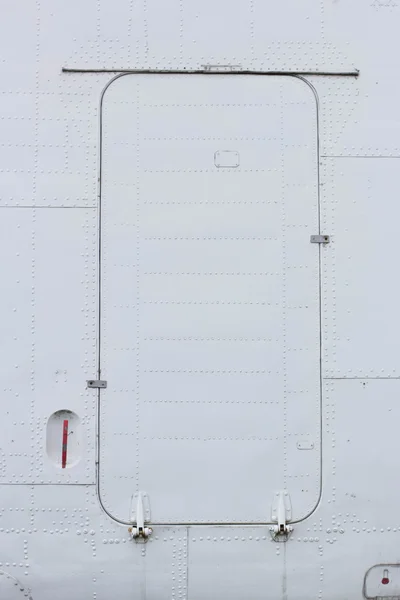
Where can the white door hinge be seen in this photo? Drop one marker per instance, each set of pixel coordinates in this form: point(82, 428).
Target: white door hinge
point(281, 513)
point(140, 516)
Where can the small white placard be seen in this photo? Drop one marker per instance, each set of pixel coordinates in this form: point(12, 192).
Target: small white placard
point(226, 159)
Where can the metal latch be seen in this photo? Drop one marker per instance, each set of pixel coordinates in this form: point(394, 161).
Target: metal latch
point(141, 515)
point(281, 513)
point(96, 383)
point(320, 239)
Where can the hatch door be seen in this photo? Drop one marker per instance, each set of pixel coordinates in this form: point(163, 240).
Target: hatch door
point(209, 295)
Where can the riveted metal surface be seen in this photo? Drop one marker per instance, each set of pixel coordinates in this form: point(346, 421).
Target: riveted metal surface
point(55, 539)
point(225, 374)
point(359, 278)
point(239, 561)
point(189, 34)
point(51, 258)
point(346, 400)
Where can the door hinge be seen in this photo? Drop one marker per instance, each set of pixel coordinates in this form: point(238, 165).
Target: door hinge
point(281, 513)
point(320, 239)
point(140, 516)
point(96, 383)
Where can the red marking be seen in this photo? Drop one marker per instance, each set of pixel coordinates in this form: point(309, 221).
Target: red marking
point(385, 580)
point(64, 444)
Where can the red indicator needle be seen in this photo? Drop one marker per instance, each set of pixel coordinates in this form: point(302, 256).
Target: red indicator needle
point(64, 444)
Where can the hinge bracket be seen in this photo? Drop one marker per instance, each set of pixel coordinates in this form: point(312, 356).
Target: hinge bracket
point(320, 239)
point(281, 513)
point(221, 68)
point(140, 515)
point(96, 383)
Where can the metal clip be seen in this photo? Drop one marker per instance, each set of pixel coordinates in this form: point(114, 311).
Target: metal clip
point(142, 514)
point(320, 239)
point(96, 384)
point(281, 513)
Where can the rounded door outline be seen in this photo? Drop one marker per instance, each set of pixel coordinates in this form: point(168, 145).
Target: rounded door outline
point(98, 470)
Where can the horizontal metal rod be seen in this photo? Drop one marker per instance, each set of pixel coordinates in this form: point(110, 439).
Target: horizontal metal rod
point(361, 378)
point(360, 156)
point(354, 73)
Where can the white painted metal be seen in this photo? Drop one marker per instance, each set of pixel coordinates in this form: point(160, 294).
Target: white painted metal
point(11, 588)
point(209, 296)
point(56, 541)
point(362, 191)
point(47, 254)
